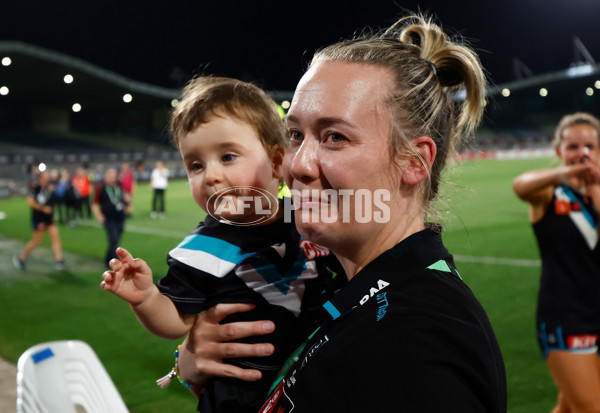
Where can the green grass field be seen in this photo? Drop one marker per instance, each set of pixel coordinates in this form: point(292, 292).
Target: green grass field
point(486, 228)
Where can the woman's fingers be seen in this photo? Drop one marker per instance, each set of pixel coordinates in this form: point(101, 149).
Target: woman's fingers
point(206, 360)
point(211, 319)
point(218, 312)
point(209, 327)
point(243, 329)
point(239, 350)
point(229, 371)
point(210, 342)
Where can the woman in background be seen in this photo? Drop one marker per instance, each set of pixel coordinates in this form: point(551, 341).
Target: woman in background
point(111, 204)
point(41, 201)
point(564, 203)
point(159, 180)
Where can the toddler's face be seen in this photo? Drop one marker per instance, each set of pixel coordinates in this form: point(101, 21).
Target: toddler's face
point(223, 156)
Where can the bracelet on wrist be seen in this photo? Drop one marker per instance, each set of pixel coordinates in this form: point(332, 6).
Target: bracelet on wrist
point(164, 381)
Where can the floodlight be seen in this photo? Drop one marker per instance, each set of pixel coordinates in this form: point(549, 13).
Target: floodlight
point(6, 61)
point(506, 92)
point(285, 104)
point(589, 91)
point(597, 84)
point(68, 79)
point(580, 70)
point(76, 107)
point(42, 167)
point(543, 92)
point(174, 102)
point(4, 91)
point(127, 98)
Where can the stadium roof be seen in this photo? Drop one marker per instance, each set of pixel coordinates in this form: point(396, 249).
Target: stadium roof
point(36, 75)
point(579, 77)
point(35, 78)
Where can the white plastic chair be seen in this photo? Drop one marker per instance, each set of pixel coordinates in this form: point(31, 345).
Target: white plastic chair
point(65, 377)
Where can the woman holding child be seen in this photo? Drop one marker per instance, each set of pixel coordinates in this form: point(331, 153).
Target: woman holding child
point(405, 333)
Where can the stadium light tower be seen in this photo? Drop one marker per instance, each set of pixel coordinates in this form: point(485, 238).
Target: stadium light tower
point(582, 55)
point(520, 70)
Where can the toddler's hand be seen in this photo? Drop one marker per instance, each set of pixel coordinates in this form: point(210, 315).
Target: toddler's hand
point(130, 279)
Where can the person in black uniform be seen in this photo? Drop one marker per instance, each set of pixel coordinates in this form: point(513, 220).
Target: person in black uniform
point(41, 201)
point(110, 205)
point(564, 207)
point(371, 125)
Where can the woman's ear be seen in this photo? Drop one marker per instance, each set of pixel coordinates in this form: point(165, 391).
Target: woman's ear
point(276, 154)
point(558, 151)
point(418, 167)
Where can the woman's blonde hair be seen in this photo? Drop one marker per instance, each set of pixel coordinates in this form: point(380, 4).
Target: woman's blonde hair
point(578, 118)
point(431, 70)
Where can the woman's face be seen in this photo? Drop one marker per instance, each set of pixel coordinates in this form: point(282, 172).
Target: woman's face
point(338, 165)
point(580, 144)
point(43, 178)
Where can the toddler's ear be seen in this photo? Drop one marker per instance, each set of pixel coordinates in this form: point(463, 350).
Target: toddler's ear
point(276, 155)
point(420, 163)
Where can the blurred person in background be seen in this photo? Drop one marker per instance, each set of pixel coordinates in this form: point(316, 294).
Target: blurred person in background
point(564, 204)
point(82, 185)
point(41, 201)
point(128, 181)
point(159, 180)
point(98, 175)
point(110, 205)
point(58, 203)
point(60, 206)
point(72, 203)
point(53, 178)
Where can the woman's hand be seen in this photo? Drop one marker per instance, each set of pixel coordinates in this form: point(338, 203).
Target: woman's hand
point(588, 175)
point(582, 174)
point(209, 342)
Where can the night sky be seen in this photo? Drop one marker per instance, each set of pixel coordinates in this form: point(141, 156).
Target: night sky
point(166, 42)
